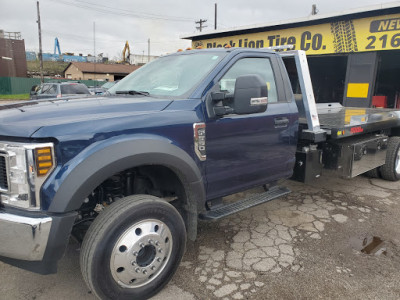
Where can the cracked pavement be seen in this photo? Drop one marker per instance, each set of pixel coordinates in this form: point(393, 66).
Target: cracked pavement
point(306, 244)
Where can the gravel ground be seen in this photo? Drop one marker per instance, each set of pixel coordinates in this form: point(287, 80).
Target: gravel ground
point(306, 245)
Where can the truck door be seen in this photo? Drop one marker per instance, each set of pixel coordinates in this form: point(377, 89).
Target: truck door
point(252, 149)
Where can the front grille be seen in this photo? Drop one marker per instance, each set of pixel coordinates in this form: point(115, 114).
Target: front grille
point(3, 173)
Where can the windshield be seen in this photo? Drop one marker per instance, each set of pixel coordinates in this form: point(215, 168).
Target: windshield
point(109, 84)
point(173, 75)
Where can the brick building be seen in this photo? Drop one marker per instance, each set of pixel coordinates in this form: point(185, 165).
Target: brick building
point(12, 55)
point(92, 71)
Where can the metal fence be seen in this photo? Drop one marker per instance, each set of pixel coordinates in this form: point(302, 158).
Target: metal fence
point(19, 85)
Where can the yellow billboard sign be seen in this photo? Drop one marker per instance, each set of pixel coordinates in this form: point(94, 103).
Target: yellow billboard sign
point(357, 35)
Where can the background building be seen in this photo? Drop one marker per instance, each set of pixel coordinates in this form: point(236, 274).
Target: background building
point(96, 71)
point(141, 59)
point(12, 55)
point(354, 56)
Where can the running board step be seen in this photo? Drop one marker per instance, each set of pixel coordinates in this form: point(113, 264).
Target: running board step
point(231, 208)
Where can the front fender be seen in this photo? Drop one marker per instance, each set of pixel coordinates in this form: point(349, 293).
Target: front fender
point(73, 182)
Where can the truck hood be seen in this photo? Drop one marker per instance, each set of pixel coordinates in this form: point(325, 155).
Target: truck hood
point(24, 119)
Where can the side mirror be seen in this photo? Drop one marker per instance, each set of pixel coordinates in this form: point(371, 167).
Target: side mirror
point(251, 95)
point(218, 96)
point(218, 108)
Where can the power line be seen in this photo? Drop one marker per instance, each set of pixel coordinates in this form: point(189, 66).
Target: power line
point(69, 36)
point(120, 12)
point(224, 25)
point(135, 12)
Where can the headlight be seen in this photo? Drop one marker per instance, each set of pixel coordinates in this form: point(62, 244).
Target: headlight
point(23, 170)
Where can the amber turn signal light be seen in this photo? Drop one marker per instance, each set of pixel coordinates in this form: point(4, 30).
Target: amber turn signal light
point(44, 160)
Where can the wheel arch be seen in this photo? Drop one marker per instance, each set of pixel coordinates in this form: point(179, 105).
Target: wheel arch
point(115, 157)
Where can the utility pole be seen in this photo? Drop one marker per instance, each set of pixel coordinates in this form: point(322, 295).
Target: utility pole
point(314, 9)
point(201, 26)
point(215, 17)
point(148, 50)
point(40, 43)
point(94, 53)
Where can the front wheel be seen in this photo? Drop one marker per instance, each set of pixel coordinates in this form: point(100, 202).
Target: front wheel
point(133, 248)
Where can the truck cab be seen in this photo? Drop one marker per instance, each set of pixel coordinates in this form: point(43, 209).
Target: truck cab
point(166, 143)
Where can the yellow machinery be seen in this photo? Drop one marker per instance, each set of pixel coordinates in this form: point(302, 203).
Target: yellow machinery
point(126, 54)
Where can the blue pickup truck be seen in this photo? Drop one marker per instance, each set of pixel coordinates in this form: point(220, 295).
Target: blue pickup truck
point(130, 173)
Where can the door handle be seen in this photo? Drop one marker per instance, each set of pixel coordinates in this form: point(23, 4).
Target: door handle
point(281, 122)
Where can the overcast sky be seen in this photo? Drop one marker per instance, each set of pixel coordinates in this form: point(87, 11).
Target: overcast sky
point(137, 21)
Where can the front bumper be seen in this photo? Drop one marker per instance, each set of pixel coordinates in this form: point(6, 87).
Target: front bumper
point(22, 237)
point(34, 241)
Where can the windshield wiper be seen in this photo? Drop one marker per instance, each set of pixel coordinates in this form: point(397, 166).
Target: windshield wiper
point(133, 92)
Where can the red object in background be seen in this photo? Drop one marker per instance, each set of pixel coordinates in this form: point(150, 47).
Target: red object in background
point(379, 101)
point(397, 99)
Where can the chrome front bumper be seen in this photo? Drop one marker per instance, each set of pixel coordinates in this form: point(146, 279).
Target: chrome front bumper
point(23, 238)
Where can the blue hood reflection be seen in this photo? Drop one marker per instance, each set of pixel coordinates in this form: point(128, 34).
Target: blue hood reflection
point(82, 114)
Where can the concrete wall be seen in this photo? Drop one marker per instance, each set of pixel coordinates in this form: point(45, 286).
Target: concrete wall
point(138, 59)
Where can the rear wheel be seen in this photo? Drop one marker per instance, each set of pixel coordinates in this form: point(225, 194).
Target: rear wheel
point(374, 173)
point(133, 248)
point(391, 169)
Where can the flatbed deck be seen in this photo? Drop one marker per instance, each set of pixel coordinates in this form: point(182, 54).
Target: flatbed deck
point(323, 121)
point(339, 121)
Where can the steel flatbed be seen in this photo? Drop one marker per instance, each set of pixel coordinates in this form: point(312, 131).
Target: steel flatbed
point(341, 122)
point(323, 121)
point(347, 141)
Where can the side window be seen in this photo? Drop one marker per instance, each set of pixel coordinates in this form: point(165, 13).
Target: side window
point(53, 90)
point(43, 88)
point(49, 89)
point(246, 66)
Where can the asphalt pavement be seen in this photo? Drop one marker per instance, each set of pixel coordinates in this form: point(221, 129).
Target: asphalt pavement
point(334, 239)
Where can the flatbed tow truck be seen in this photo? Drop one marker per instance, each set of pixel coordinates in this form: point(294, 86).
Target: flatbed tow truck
point(130, 173)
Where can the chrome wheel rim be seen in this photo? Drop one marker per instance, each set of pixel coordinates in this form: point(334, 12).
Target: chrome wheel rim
point(141, 253)
point(397, 163)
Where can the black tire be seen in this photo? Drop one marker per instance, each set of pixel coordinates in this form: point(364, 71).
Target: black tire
point(344, 36)
point(374, 173)
point(388, 170)
point(126, 237)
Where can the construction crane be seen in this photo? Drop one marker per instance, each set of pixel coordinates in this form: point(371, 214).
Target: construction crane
point(57, 47)
point(126, 54)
